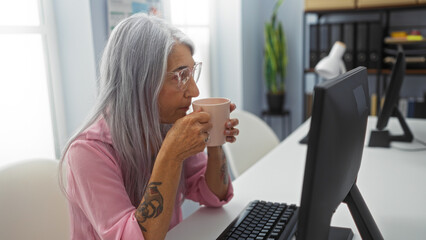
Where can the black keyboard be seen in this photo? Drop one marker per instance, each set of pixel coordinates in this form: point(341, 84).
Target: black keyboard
point(263, 220)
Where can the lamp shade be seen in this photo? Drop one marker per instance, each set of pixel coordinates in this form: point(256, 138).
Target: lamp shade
point(332, 65)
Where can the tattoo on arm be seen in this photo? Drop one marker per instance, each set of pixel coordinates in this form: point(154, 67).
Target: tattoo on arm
point(224, 169)
point(151, 206)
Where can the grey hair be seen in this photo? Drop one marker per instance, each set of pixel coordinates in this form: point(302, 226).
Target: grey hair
point(132, 71)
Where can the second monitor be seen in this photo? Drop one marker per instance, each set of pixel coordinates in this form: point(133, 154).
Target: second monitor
point(382, 137)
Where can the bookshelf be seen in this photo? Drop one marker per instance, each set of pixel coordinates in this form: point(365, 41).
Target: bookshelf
point(362, 16)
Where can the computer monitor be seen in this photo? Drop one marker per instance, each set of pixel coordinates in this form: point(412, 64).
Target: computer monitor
point(335, 147)
point(381, 137)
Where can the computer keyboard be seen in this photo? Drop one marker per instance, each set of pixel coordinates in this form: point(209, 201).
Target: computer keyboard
point(263, 220)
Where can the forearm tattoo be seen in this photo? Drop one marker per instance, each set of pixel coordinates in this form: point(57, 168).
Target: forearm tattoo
point(224, 169)
point(152, 204)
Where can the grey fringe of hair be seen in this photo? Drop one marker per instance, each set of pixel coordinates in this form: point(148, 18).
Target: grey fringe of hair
point(132, 70)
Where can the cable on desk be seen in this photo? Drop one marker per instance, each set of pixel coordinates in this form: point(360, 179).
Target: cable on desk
point(413, 149)
point(409, 149)
point(420, 141)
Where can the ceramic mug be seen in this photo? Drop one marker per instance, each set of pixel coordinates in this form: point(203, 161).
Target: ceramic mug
point(219, 110)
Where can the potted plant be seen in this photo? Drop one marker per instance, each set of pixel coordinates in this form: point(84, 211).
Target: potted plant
point(275, 61)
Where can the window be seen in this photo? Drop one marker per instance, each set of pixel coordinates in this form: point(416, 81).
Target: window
point(26, 126)
point(193, 18)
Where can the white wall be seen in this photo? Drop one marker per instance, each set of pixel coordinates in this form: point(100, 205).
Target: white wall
point(290, 14)
point(239, 54)
point(252, 56)
point(226, 51)
point(77, 61)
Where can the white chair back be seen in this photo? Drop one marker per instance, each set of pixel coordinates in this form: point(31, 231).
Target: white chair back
point(31, 203)
point(256, 139)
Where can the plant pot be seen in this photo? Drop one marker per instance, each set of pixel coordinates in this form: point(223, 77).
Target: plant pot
point(275, 102)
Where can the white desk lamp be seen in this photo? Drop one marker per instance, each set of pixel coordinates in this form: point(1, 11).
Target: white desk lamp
point(332, 65)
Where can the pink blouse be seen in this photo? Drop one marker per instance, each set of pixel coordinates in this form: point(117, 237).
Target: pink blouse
point(98, 203)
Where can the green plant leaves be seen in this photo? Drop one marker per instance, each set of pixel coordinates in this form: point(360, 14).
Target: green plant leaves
point(275, 59)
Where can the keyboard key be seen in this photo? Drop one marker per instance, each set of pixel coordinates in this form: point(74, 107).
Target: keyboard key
point(234, 236)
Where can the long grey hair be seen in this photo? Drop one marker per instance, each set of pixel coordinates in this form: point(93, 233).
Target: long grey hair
point(132, 71)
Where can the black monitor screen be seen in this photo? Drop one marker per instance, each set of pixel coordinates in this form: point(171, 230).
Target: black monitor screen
point(335, 147)
point(381, 137)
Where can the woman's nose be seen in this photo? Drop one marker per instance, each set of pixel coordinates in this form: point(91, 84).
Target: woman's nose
point(192, 89)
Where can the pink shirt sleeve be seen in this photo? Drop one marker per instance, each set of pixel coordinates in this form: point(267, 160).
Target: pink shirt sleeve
point(196, 186)
point(95, 185)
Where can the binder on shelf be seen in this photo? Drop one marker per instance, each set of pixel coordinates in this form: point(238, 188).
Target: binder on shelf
point(374, 43)
point(410, 111)
point(373, 105)
point(313, 51)
point(403, 106)
point(361, 44)
point(324, 41)
point(419, 109)
point(348, 39)
point(336, 33)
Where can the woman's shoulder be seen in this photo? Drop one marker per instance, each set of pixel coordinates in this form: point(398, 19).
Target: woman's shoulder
point(98, 131)
point(94, 142)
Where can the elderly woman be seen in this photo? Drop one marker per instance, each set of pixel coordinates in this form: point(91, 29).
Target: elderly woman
point(140, 155)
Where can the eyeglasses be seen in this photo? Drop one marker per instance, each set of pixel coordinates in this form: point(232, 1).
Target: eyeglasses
point(184, 75)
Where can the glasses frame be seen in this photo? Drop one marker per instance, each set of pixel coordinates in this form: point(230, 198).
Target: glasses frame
point(182, 83)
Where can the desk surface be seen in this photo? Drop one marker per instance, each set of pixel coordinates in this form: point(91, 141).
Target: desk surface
point(390, 180)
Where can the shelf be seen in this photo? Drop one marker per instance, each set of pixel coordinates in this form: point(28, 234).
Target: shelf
point(383, 71)
point(369, 17)
point(403, 41)
point(367, 9)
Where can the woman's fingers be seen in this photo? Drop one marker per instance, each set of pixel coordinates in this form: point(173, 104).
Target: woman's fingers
point(232, 123)
point(232, 132)
point(232, 107)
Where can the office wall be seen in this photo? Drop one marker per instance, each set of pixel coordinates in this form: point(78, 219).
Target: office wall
point(252, 55)
point(291, 16)
point(77, 62)
point(249, 37)
point(99, 23)
point(238, 69)
point(226, 51)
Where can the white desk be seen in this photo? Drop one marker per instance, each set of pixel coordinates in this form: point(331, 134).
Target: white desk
point(391, 181)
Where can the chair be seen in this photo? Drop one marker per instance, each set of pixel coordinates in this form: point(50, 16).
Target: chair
point(31, 203)
point(256, 139)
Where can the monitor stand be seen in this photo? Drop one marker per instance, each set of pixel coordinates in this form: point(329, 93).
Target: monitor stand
point(363, 219)
point(382, 138)
point(305, 139)
point(339, 233)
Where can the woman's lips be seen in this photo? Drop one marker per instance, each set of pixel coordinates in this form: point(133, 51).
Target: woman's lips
point(184, 108)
